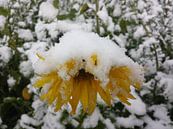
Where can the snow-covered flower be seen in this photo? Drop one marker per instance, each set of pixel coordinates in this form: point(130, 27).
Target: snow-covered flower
point(82, 66)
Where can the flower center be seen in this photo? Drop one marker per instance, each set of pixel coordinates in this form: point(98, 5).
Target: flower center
point(83, 75)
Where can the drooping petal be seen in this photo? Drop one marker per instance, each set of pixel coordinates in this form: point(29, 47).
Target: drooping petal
point(104, 95)
point(70, 64)
point(41, 82)
point(92, 96)
point(123, 98)
point(122, 72)
point(65, 90)
point(75, 96)
point(137, 85)
point(54, 89)
point(84, 94)
point(125, 84)
point(63, 94)
point(46, 79)
point(59, 102)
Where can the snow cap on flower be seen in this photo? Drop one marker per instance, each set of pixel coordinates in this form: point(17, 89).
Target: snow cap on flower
point(82, 65)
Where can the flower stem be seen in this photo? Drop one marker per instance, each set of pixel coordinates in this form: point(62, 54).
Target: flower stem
point(97, 18)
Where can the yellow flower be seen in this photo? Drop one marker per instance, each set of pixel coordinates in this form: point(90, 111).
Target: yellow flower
point(83, 66)
point(84, 86)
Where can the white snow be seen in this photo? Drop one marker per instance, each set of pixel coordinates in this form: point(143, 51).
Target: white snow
point(4, 3)
point(40, 30)
point(75, 123)
point(121, 40)
point(156, 15)
point(92, 121)
point(26, 68)
point(80, 45)
point(52, 120)
point(167, 82)
point(137, 106)
point(141, 5)
point(107, 20)
point(103, 14)
point(21, 24)
point(168, 65)
point(5, 54)
point(66, 26)
point(11, 81)
point(25, 1)
point(26, 121)
point(109, 124)
point(25, 34)
point(2, 126)
point(156, 124)
point(139, 32)
point(160, 112)
point(2, 22)
point(59, 26)
point(117, 10)
point(150, 67)
point(47, 11)
point(129, 122)
point(39, 109)
point(149, 41)
point(32, 48)
point(169, 88)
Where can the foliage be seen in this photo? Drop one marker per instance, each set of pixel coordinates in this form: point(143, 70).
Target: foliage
point(143, 29)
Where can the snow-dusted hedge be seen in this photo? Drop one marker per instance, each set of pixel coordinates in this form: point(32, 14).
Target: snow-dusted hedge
point(143, 28)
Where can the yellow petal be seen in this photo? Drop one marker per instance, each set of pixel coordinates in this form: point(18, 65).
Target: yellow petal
point(43, 96)
point(130, 96)
point(110, 86)
point(46, 79)
point(59, 102)
point(70, 64)
point(105, 96)
point(55, 88)
point(125, 84)
point(75, 96)
point(66, 89)
point(41, 82)
point(123, 98)
point(92, 97)
point(94, 59)
point(84, 95)
point(122, 72)
point(137, 85)
point(50, 94)
point(40, 56)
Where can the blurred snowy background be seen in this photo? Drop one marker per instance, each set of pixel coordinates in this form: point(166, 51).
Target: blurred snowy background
point(144, 28)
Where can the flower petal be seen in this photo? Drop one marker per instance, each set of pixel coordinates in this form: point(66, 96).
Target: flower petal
point(75, 96)
point(92, 97)
point(104, 95)
point(84, 94)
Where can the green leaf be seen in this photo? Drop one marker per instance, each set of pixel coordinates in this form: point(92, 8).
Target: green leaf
point(70, 15)
point(4, 12)
point(123, 25)
point(11, 110)
point(84, 8)
point(56, 3)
